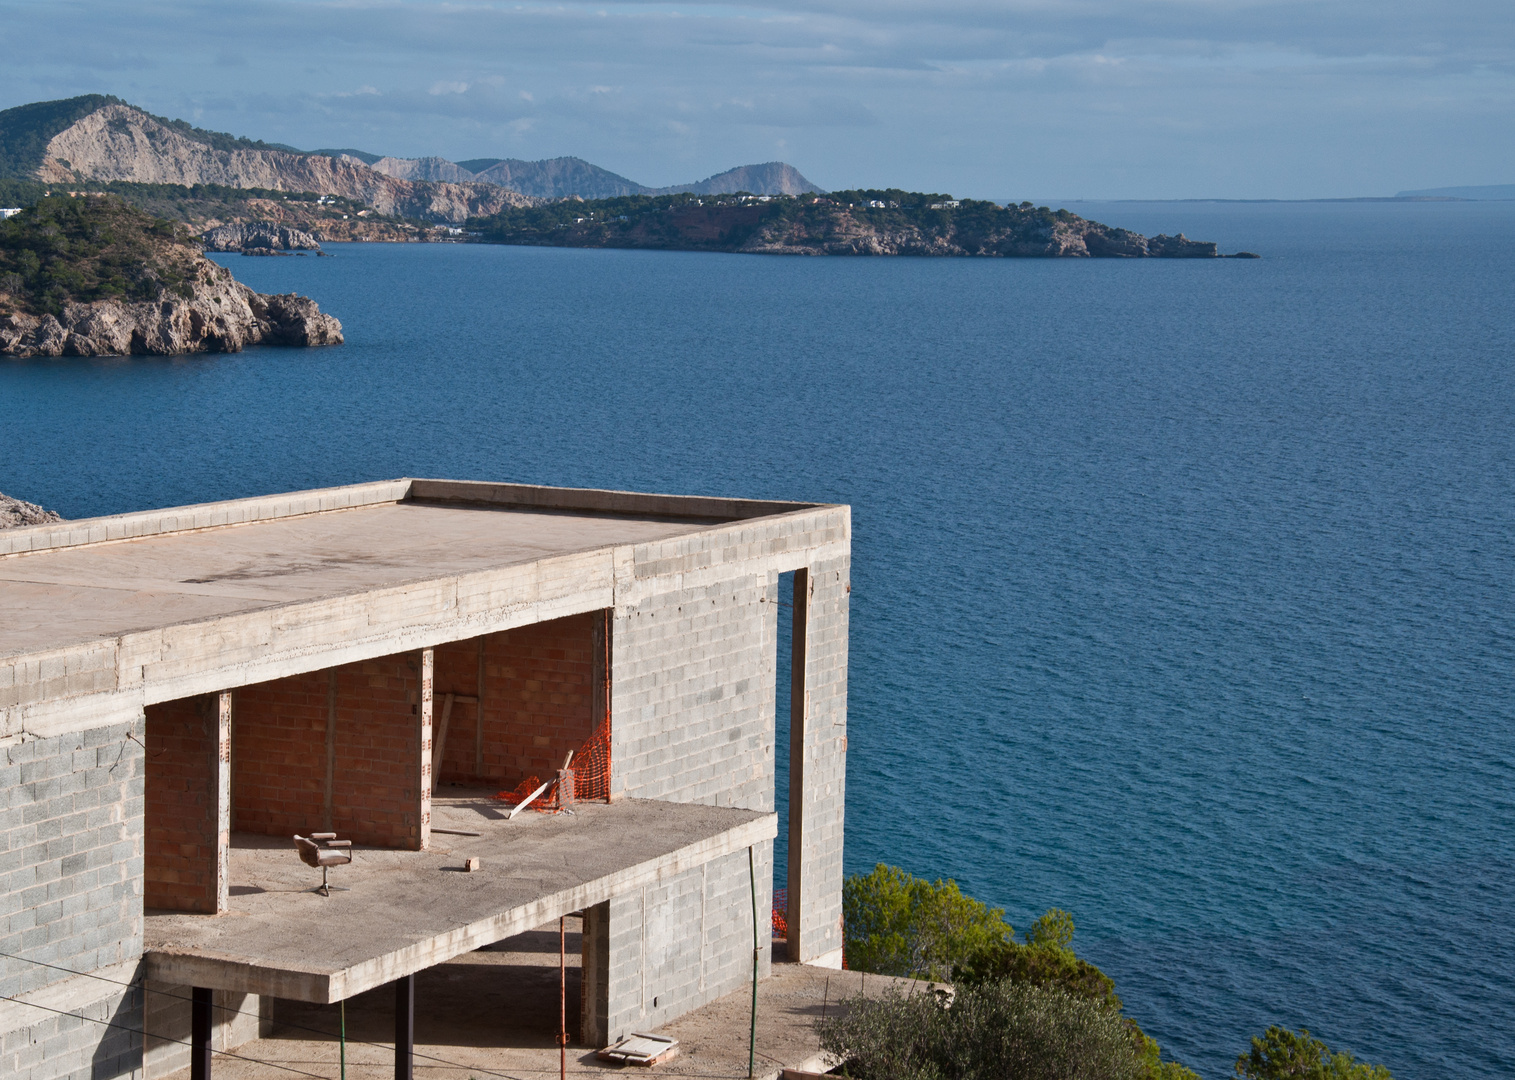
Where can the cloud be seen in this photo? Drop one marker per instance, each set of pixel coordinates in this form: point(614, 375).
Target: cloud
point(1170, 97)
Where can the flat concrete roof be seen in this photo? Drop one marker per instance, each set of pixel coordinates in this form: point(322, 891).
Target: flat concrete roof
point(410, 910)
point(65, 596)
point(104, 616)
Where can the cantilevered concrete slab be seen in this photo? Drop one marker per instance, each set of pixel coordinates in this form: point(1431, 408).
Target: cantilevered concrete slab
point(407, 911)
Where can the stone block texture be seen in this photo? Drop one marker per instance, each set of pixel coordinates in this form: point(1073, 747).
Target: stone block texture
point(96, 1036)
point(651, 956)
point(235, 1019)
point(822, 803)
point(71, 833)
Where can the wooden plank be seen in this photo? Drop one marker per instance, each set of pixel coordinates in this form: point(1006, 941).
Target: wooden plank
point(441, 743)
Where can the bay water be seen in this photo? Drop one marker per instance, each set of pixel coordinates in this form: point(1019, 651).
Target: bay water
point(1182, 590)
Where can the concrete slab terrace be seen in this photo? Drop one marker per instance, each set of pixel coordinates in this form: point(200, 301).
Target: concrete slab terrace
point(60, 597)
point(406, 911)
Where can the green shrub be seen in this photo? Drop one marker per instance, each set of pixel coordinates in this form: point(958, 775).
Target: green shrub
point(998, 1031)
point(896, 924)
point(1282, 1054)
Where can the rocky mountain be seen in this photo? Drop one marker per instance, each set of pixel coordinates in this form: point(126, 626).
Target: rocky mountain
point(432, 169)
point(559, 178)
point(101, 139)
point(770, 178)
point(93, 276)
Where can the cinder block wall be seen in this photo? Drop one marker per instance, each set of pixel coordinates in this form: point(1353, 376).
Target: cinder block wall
point(279, 753)
point(235, 1019)
point(180, 862)
point(692, 721)
point(539, 700)
point(71, 830)
point(825, 767)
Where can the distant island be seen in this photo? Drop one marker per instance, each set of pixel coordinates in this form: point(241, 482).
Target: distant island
point(860, 222)
point(222, 185)
point(93, 276)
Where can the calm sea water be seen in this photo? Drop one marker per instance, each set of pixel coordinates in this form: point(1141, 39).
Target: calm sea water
point(1182, 590)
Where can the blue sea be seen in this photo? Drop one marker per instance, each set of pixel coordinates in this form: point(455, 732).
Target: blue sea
point(1183, 591)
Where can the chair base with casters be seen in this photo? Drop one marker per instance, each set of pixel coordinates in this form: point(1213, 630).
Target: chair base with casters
point(324, 850)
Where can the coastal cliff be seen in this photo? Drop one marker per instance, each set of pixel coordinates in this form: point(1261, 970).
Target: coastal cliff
point(95, 277)
point(889, 222)
point(119, 142)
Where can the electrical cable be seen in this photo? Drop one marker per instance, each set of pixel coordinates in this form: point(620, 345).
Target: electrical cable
point(241, 1012)
point(160, 1038)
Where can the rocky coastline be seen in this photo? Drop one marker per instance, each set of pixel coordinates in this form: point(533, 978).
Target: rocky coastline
point(259, 237)
point(14, 513)
point(94, 277)
point(225, 316)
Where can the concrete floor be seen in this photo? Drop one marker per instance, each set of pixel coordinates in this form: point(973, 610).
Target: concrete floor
point(406, 911)
point(494, 1013)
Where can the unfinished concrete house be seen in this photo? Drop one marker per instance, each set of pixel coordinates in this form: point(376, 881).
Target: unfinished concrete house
point(182, 692)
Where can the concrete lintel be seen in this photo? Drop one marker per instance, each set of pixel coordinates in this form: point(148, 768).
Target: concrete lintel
point(323, 985)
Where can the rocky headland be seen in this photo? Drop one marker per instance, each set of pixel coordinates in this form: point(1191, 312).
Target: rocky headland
point(258, 236)
point(889, 222)
point(95, 277)
point(14, 513)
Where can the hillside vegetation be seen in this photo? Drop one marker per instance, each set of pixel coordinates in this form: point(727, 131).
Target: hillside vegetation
point(64, 250)
point(859, 222)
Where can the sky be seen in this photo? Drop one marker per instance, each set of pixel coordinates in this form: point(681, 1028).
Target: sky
point(1067, 99)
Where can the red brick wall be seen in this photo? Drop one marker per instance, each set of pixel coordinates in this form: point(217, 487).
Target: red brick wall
point(279, 756)
point(539, 700)
point(375, 792)
point(279, 740)
point(180, 807)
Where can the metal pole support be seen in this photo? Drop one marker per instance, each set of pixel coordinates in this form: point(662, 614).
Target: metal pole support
point(199, 1026)
point(405, 1027)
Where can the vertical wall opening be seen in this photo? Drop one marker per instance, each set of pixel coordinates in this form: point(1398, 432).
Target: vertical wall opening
point(785, 902)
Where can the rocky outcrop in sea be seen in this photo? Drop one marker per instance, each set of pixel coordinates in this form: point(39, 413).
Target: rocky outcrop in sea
point(14, 513)
point(220, 315)
point(259, 236)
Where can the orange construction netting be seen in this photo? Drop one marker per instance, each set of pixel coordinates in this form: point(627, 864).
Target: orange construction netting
point(781, 913)
point(591, 777)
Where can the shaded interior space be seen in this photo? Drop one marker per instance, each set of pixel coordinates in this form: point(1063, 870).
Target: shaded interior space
point(494, 1012)
point(505, 994)
point(340, 750)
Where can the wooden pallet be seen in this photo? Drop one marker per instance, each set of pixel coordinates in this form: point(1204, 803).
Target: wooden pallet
point(640, 1049)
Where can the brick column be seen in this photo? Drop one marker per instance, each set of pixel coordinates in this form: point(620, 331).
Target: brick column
point(221, 784)
point(423, 756)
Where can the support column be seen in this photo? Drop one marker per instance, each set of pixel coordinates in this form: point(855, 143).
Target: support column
point(221, 787)
point(329, 790)
point(423, 757)
point(594, 976)
point(818, 762)
point(478, 715)
point(405, 1026)
point(799, 711)
point(200, 1028)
